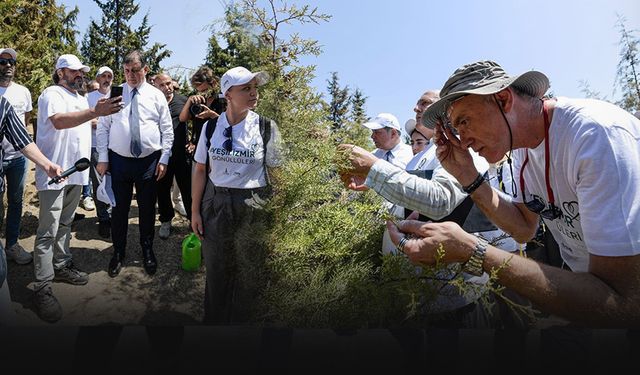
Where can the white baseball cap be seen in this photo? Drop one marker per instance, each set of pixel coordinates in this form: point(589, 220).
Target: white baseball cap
point(103, 69)
point(239, 76)
point(71, 62)
point(383, 120)
point(10, 51)
point(410, 126)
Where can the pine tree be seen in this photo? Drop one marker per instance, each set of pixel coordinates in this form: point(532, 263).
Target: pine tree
point(108, 42)
point(628, 72)
point(358, 102)
point(339, 102)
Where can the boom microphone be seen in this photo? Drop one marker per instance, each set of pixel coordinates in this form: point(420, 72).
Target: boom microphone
point(78, 166)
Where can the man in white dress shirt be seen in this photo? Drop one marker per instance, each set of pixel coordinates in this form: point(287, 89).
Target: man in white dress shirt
point(387, 136)
point(135, 146)
point(64, 136)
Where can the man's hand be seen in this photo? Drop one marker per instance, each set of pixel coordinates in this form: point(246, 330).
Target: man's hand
point(425, 239)
point(161, 169)
point(454, 156)
point(359, 163)
point(106, 106)
point(102, 168)
point(53, 170)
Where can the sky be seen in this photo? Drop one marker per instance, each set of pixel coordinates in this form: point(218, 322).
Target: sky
point(393, 51)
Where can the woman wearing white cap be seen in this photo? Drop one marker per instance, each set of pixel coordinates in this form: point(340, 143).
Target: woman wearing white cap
point(233, 152)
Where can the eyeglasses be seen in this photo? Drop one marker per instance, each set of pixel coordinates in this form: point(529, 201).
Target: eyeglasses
point(228, 144)
point(4, 61)
point(549, 212)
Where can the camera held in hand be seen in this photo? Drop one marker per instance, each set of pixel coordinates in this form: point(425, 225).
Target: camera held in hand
point(196, 109)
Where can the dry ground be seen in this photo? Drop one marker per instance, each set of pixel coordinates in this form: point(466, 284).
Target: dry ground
point(171, 297)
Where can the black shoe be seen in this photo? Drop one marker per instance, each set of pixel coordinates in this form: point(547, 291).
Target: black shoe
point(149, 261)
point(71, 275)
point(47, 305)
point(115, 264)
point(104, 229)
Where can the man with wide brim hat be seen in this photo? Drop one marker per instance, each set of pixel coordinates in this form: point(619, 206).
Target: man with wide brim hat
point(482, 78)
point(577, 166)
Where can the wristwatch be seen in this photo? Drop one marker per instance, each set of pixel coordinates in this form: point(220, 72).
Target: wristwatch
point(473, 266)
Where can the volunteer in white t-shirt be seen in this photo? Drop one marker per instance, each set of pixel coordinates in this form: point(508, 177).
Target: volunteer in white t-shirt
point(64, 136)
point(575, 164)
point(14, 164)
point(228, 198)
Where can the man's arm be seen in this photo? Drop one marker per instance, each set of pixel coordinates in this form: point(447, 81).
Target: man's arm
point(166, 131)
point(608, 295)
point(68, 120)
point(435, 198)
point(33, 153)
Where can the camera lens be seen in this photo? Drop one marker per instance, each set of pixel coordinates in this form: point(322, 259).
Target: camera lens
point(195, 109)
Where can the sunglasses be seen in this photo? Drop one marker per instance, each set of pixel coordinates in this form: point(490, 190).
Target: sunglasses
point(4, 61)
point(228, 144)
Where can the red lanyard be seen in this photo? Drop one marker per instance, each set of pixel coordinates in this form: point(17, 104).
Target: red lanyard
point(547, 124)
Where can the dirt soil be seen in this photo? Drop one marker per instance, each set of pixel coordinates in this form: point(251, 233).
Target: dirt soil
point(171, 297)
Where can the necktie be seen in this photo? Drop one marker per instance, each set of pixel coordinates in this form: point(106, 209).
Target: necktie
point(134, 125)
point(389, 155)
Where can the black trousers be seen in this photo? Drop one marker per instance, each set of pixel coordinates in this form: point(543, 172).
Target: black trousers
point(125, 173)
point(234, 252)
point(179, 167)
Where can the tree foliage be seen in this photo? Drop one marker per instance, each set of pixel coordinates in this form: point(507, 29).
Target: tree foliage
point(628, 70)
point(108, 42)
point(339, 102)
point(40, 31)
point(325, 268)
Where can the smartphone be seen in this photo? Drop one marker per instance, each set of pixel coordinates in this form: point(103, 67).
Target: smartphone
point(115, 91)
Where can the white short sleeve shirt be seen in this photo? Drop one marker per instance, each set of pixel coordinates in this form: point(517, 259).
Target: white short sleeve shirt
point(243, 166)
point(65, 146)
point(594, 173)
point(20, 99)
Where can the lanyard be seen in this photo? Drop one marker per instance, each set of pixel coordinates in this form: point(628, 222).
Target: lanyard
point(547, 124)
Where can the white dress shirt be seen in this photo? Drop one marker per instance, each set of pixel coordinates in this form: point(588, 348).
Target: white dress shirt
point(156, 129)
point(401, 154)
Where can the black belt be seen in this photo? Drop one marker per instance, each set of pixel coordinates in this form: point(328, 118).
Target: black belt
point(227, 190)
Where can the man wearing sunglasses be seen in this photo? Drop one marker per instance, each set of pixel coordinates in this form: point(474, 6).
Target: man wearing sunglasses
point(14, 164)
point(576, 164)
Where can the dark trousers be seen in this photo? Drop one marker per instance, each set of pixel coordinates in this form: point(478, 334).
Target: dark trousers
point(125, 172)
point(181, 169)
point(233, 252)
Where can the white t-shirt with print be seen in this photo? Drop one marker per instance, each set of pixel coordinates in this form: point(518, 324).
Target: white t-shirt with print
point(243, 167)
point(65, 146)
point(20, 99)
point(595, 178)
